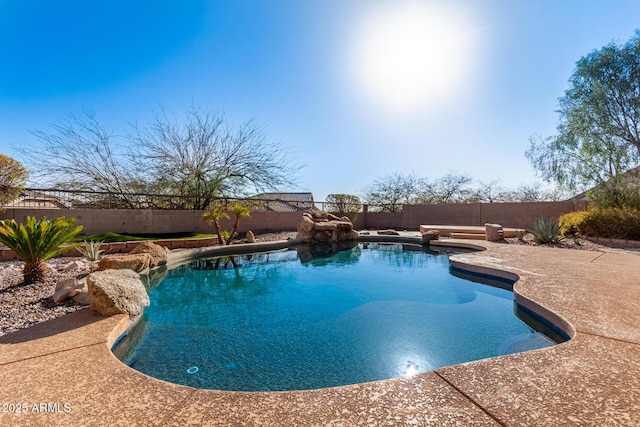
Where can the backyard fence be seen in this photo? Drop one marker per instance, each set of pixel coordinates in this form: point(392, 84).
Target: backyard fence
point(39, 198)
point(271, 215)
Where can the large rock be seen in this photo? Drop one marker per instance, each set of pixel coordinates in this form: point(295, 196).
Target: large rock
point(306, 223)
point(325, 226)
point(67, 288)
point(429, 236)
point(157, 254)
point(117, 291)
point(493, 232)
point(319, 226)
point(135, 262)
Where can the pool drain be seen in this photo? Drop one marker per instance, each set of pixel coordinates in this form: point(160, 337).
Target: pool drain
point(192, 370)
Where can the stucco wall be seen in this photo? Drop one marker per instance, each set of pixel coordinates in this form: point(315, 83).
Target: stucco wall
point(149, 221)
point(141, 221)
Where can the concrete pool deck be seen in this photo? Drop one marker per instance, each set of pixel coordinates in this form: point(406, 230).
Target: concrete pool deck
point(62, 372)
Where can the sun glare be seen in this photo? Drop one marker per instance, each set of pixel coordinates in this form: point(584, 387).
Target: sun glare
point(409, 55)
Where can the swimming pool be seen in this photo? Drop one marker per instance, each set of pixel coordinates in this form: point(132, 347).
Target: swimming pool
point(290, 320)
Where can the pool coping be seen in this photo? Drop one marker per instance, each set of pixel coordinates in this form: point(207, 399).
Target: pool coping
point(62, 371)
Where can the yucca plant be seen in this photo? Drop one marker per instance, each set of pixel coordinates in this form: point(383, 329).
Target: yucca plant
point(545, 231)
point(91, 250)
point(37, 241)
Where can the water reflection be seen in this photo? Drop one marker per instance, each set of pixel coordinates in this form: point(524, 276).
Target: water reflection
point(324, 250)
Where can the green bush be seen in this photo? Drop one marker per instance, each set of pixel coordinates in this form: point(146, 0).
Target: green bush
point(616, 223)
point(571, 223)
point(38, 240)
point(545, 231)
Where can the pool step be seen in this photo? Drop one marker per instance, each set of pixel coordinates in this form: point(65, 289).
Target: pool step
point(468, 236)
point(466, 232)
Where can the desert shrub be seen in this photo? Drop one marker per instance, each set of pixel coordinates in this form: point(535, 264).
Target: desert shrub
point(617, 223)
point(545, 231)
point(570, 223)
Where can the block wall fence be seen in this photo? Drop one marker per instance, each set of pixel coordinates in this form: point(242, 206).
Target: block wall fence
point(149, 221)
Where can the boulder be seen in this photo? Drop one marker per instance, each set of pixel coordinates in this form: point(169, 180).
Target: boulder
point(69, 282)
point(67, 288)
point(344, 225)
point(325, 226)
point(319, 226)
point(250, 237)
point(306, 223)
point(494, 232)
point(157, 254)
point(117, 291)
point(63, 294)
point(429, 236)
point(83, 296)
point(135, 262)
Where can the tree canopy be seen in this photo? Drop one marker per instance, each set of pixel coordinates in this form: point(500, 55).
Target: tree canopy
point(198, 155)
point(13, 178)
point(391, 192)
point(598, 134)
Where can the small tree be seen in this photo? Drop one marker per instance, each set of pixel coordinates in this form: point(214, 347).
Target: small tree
point(344, 205)
point(13, 178)
point(388, 194)
point(213, 216)
point(238, 210)
point(37, 241)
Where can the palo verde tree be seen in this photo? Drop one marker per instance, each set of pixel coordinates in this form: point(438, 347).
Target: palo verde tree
point(598, 134)
point(450, 188)
point(208, 158)
point(80, 153)
point(389, 193)
point(198, 155)
point(13, 178)
point(343, 205)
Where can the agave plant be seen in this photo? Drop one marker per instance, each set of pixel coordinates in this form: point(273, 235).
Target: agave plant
point(545, 231)
point(37, 241)
point(91, 250)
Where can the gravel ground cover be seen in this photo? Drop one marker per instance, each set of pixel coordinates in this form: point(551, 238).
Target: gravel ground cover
point(24, 305)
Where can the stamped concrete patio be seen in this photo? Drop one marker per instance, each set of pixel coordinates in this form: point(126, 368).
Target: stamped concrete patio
point(62, 372)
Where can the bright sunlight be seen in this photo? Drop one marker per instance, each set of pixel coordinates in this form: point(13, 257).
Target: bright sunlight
point(409, 55)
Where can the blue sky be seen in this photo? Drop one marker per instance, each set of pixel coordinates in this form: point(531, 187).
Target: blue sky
point(356, 89)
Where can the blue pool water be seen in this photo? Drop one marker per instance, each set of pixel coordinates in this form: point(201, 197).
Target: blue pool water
point(276, 322)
